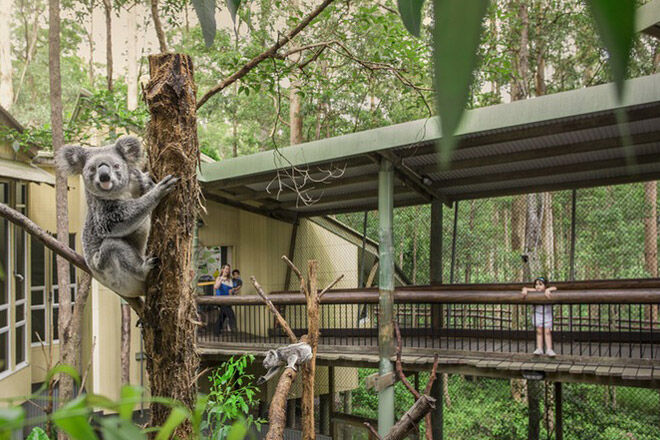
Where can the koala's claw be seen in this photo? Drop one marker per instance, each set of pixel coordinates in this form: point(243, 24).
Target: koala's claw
point(151, 263)
point(168, 183)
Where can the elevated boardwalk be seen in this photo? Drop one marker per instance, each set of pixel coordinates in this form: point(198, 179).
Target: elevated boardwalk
point(605, 336)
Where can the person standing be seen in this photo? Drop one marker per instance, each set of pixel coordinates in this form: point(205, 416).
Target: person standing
point(542, 317)
point(224, 286)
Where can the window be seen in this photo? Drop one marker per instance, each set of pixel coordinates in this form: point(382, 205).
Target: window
point(38, 290)
point(5, 297)
point(52, 323)
point(20, 277)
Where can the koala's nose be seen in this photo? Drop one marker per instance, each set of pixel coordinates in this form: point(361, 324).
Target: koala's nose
point(104, 173)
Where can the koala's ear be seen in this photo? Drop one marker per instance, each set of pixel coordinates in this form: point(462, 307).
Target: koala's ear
point(130, 149)
point(71, 159)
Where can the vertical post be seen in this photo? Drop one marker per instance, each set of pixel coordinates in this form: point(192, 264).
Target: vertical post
point(571, 273)
point(386, 293)
point(292, 249)
point(559, 416)
point(325, 414)
point(348, 409)
point(534, 417)
point(332, 388)
point(364, 245)
point(291, 413)
point(436, 309)
point(453, 244)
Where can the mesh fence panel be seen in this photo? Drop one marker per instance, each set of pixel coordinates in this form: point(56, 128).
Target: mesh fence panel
point(612, 237)
point(477, 408)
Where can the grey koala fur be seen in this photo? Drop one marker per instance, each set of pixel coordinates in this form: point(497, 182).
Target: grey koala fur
point(120, 198)
point(291, 355)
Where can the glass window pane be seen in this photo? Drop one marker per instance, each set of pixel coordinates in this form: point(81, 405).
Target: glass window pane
point(56, 296)
point(72, 268)
point(53, 269)
point(20, 276)
point(56, 333)
point(4, 351)
point(38, 297)
point(37, 263)
point(38, 325)
point(20, 312)
point(20, 344)
point(73, 295)
point(4, 245)
point(4, 318)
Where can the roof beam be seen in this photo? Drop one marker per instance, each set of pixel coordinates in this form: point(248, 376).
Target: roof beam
point(410, 178)
point(648, 19)
point(277, 214)
point(575, 184)
point(543, 129)
point(368, 206)
point(551, 151)
point(548, 171)
point(325, 199)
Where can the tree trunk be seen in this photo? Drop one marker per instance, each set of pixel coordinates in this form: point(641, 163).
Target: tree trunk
point(125, 343)
point(107, 6)
point(277, 411)
point(548, 241)
point(517, 223)
point(31, 39)
point(132, 62)
point(6, 87)
point(309, 369)
point(170, 313)
point(67, 351)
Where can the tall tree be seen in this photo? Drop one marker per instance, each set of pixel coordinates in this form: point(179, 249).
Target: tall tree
point(61, 199)
point(107, 9)
point(6, 87)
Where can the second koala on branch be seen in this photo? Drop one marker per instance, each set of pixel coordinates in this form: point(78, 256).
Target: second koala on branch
point(120, 199)
point(291, 355)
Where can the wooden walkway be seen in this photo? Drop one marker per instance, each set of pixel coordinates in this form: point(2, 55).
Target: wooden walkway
point(605, 363)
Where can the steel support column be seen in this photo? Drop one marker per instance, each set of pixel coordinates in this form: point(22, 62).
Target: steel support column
point(571, 274)
point(435, 260)
point(386, 293)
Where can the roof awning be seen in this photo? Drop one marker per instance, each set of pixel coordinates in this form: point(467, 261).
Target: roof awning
point(576, 139)
point(23, 171)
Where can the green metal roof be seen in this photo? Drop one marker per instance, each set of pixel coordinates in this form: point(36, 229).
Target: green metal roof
point(509, 143)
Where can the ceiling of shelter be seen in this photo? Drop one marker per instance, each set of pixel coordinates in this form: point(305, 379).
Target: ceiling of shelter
point(568, 140)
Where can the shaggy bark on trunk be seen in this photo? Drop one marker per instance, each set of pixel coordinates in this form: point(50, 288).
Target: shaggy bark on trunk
point(169, 318)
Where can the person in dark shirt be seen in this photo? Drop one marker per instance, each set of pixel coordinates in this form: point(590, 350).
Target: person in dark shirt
point(237, 281)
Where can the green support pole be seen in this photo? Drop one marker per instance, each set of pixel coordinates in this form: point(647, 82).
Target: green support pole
point(386, 293)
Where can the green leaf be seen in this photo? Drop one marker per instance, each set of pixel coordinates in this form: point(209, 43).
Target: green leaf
point(73, 418)
point(233, 5)
point(205, 10)
point(10, 419)
point(456, 35)
point(411, 15)
point(63, 369)
point(237, 432)
point(615, 21)
point(176, 417)
point(114, 428)
point(130, 395)
point(37, 434)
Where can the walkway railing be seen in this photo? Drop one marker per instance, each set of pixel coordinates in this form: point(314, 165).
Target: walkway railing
point(614, 323)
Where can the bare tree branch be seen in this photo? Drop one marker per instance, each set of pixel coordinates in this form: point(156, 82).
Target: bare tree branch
point(278, 316)
point(270, 52)
point(331, 285)
point(56, 246)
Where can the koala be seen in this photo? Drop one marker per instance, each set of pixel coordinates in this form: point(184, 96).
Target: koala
point(291, 355)
point(120, 199)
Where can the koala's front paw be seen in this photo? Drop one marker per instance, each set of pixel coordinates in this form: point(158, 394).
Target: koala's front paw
point(166, 185)
point(151, 263)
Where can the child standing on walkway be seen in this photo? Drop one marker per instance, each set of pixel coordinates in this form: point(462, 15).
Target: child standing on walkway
point(542, 317)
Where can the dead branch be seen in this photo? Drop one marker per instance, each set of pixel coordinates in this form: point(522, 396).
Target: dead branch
point(309, 369)
point(399, 366)
point(372, 432)
point(303, 284)
point(56, 246)
point(81, 389)
point(278, 316)
point(432, 377)
point(268, 53)
point(277, 410)
point(330, 286)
